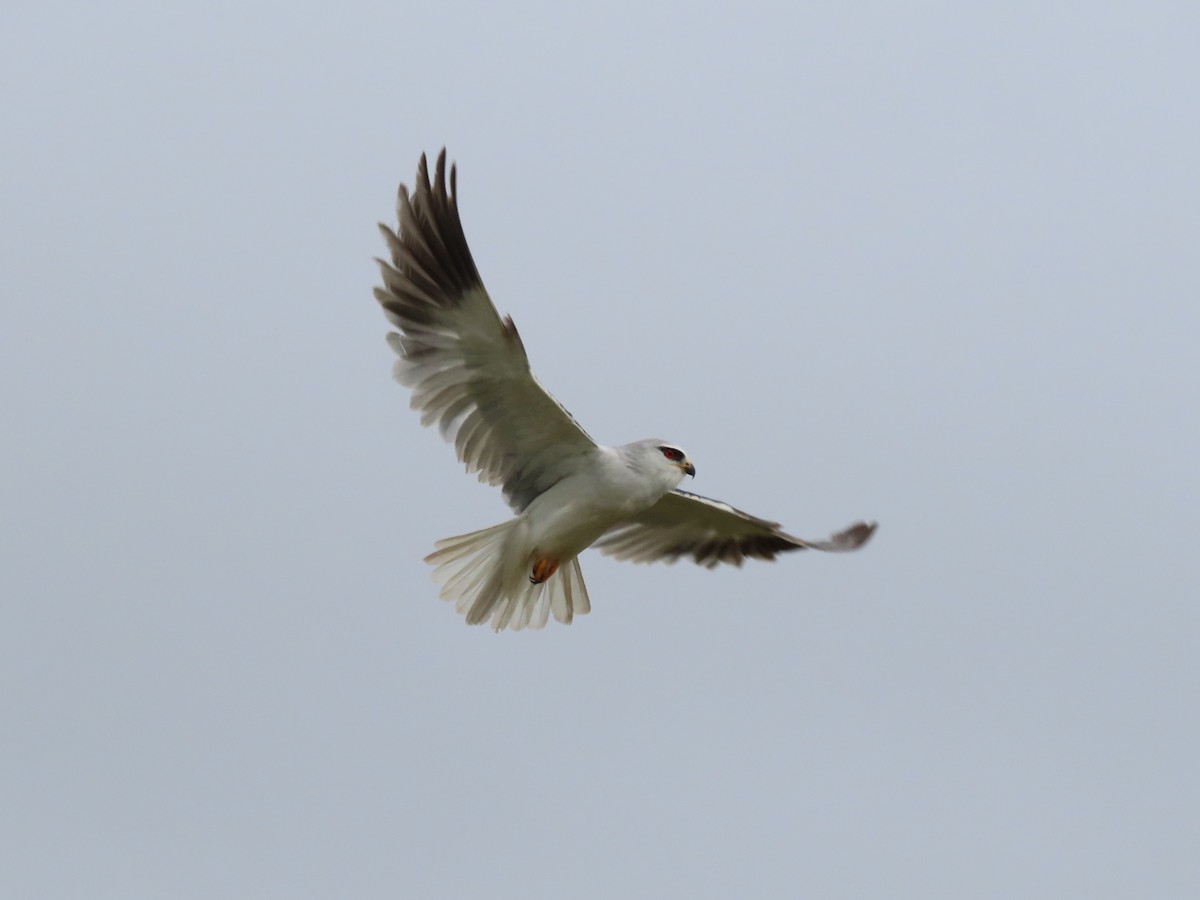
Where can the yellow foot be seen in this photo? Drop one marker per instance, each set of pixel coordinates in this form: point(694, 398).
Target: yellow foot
point(542, 569)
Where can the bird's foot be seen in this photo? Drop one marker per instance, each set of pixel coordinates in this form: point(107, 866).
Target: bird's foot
point(542, 569)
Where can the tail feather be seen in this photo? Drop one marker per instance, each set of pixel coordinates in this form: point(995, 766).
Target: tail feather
point(573, 596)
point(486, 575)
point(465, 563)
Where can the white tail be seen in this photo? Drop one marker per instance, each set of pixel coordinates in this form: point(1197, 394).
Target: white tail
point(486, 575)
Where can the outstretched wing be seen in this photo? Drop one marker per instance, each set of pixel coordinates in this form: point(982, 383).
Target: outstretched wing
point(711, 532)
point(466, 366)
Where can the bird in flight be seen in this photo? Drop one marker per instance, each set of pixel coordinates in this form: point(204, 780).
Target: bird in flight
point(469, 375)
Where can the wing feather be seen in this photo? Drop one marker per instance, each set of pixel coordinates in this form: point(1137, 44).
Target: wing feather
point(711, 533)
point(466, 365)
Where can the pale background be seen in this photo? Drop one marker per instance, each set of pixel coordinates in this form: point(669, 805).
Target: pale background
point(930, 263)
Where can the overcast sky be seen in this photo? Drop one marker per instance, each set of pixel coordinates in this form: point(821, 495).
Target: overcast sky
point(934, 264)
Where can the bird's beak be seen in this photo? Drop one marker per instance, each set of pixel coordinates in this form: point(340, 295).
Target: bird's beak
point(689, 468)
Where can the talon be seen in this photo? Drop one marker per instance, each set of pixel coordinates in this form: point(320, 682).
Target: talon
point(542, 569)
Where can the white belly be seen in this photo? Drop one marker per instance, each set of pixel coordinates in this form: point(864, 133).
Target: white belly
point(574, 513)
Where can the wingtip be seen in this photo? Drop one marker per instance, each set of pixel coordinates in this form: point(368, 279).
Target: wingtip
point(854, 537)
point(439, 174)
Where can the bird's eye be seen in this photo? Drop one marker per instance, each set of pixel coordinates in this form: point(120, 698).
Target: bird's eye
point(671, 453)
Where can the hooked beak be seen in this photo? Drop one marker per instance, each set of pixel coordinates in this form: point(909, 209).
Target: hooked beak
point(687, 467)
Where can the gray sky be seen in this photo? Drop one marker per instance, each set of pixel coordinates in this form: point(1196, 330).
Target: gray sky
point(933, 263)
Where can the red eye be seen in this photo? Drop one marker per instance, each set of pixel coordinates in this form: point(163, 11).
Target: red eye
point(671, 453)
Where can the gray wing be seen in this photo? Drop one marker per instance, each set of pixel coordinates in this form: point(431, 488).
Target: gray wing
point(711, 532)
point(466, 366)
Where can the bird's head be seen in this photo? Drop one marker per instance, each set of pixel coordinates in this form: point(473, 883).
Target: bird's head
point(666, 460)
point(676, 457)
